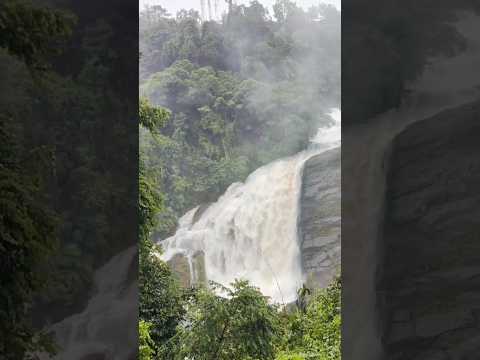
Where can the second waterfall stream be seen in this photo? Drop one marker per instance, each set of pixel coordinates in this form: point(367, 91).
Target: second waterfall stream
point(250, 232)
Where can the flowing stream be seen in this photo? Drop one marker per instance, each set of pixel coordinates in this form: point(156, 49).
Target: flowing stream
point(251, 231)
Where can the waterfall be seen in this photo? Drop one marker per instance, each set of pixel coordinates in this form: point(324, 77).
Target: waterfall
point(251, 231)
point(110, 315)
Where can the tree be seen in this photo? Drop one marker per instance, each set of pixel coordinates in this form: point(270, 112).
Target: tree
point(240, 324)
point(150, 201)
point(146, 345)
point(27, 238)
point(152, 118)
point(186, 41)
point(28, 224)
point(286, 12)
point(315, 331)
point(160, 297)
point(31, 32)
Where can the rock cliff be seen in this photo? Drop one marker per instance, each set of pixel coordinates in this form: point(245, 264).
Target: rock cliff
point(430, 283)
point(180, 266)
point(320, 218)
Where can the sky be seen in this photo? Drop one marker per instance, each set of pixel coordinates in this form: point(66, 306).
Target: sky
point(174, 5)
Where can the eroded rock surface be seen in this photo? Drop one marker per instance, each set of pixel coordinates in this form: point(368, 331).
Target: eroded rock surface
point(431, 272)
point(320, 221)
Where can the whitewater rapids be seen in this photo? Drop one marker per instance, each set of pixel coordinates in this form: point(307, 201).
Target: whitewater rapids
point(251, 231)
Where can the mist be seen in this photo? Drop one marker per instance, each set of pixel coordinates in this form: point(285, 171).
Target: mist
point(174, 6)
point(243, 91)
point(289, 59)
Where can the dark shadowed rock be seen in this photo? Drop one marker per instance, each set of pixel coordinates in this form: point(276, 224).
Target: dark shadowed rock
point(431, 263)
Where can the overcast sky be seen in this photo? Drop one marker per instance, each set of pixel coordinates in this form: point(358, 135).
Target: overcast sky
point(174, 5)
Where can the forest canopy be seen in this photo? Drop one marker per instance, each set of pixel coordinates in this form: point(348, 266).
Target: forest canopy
point(242, 92)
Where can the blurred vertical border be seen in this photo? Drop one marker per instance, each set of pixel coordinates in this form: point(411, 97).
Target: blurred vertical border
point(68, 179)
point(410, 254)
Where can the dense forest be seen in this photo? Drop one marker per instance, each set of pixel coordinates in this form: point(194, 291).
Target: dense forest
point(63, 118)
point(218, 100)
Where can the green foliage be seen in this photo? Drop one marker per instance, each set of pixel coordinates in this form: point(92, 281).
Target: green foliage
point(316, 332)
point(146, 345)
point(242, 325)
point(27, 238)
point(161, 307)
point(47, 168)
point(90, 190)
point(150, 203)
point(28, 224)
point(161, 301)
point(32, 33)
point(287, 355)
point(152, 118)
point(149, 206)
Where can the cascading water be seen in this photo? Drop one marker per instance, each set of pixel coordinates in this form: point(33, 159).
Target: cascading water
point(95, 332)
point(251, 231)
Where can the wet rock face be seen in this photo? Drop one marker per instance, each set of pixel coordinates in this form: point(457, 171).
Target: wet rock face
point(319, 223)
point(181, 269)
point(189, 272)
point(430, 284)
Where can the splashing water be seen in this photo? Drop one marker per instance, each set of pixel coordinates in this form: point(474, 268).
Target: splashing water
point(251, 231)
point(330, 137)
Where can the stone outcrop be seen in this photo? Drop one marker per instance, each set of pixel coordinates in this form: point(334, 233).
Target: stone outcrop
point(429, 287)
point(181, 269)
point(189, 274)
point(320, 221)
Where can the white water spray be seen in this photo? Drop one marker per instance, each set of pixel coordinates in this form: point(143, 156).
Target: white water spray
point(251, 231)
